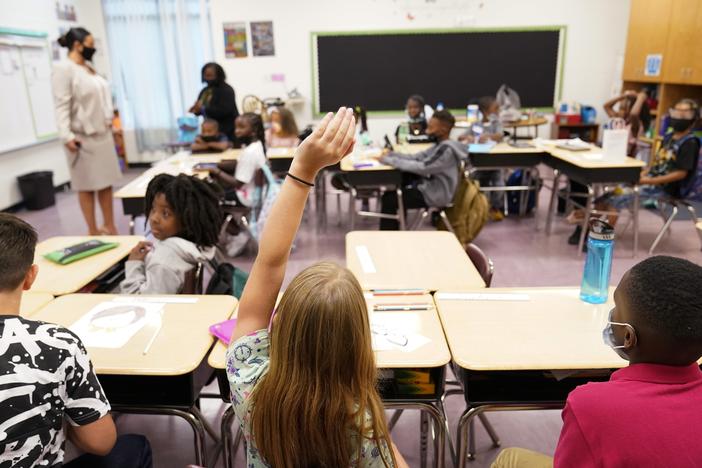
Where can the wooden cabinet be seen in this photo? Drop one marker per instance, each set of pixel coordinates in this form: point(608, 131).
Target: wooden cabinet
point(682, 62)
point(649, 22)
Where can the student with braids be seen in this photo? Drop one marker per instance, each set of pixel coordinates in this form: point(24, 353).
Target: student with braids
point(185, 219)
point(305, 389)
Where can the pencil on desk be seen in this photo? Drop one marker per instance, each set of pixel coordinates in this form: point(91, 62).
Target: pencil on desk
point(153, 337)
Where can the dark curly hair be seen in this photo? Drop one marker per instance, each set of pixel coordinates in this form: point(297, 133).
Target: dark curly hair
point(195, 203)
point(256, 123)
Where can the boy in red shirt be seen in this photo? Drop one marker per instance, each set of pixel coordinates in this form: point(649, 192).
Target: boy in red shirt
point(649, 413)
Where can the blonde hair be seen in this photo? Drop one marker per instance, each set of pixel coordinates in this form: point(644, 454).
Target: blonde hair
point(312, 404)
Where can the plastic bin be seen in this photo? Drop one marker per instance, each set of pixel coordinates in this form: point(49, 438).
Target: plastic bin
point(37, 189)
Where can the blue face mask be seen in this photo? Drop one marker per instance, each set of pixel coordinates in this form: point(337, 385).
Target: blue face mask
point(608, 336)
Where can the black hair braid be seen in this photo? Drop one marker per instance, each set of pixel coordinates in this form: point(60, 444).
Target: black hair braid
point(256, 123)
point(195, 204)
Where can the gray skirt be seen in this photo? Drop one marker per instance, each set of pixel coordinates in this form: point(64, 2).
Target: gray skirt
point(95, 166)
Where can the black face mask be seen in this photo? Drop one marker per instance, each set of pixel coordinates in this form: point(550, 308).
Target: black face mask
point(88, 53)
point(211, 82)
point(245, 140)
point(432, 138)
point(680, 125)
point(209, 138)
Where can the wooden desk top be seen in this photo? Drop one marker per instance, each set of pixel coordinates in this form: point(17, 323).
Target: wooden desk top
point(526, 122)
point(429, 260)
point(552, 330)
point(587, 159)
point(33, 301)
point(280, 152)
point(65, 279)
point(435, 353)
point(506, 148)
point(181, 163)
point(179, 347)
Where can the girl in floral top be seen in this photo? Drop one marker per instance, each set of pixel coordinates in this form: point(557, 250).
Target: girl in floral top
point(305, 391)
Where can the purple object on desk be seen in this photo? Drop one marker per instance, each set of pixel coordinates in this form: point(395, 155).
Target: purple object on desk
point(223, 330)
point(361, 165)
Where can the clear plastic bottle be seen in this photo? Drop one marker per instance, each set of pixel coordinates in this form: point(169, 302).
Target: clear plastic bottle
point(598, 264)
point(403, 133)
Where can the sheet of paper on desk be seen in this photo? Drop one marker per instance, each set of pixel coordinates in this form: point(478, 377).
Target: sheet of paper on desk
point(364, 257)
point(112, 324)
point(481, 147)
point(396, 331)
point(449, 296)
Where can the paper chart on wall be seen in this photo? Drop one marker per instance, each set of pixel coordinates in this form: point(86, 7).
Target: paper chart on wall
point(396, 331)
point(112, 324)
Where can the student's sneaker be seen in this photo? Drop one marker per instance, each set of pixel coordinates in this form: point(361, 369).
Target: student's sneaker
point(236, 244)
point(496, 214)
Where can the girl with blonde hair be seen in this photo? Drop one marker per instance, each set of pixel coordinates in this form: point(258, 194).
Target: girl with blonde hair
point(305, 391)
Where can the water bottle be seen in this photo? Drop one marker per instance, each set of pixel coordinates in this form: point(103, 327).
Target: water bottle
point(402, 133)
point(598, 264)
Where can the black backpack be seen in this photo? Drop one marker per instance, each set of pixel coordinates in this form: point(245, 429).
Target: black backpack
point(226, 279)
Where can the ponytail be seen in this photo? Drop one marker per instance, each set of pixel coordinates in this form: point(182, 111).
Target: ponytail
point(71, 36)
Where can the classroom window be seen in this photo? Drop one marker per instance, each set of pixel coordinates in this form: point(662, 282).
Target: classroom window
point(156, 50)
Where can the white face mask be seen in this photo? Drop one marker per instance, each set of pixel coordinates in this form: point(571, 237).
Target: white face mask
point(608, 336)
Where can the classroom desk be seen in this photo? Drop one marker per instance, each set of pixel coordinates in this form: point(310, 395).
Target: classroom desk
point(583, 167)
point(280, 158)
point(504, 156)
point(427, 260)
point(132, 195)
point(168, 379)
point(32, 302)
point(432, 356)
point(65, 279)
point(523, 348)
point(522, 123)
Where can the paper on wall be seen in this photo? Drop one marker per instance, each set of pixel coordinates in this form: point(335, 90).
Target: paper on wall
point(112, 324)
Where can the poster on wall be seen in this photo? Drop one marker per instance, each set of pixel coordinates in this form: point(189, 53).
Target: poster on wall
point(262, 43)
point(234, 40)
point(66, 11)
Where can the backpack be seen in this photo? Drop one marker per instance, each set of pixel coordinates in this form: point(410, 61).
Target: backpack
point(513, 196)
point(269, 195)
point(469, 212)
point(226, 279)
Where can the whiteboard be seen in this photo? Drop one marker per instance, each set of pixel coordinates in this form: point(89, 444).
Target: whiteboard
point(27, 114)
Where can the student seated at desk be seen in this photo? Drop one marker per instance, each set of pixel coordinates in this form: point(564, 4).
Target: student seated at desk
point(239, 174)
point(488, 129)
point(674, 173)
point(633, 109)
point(283, 132)
point(430, 177)
point(185, 218)
point(418, 114)
point(49, 391)
point(210, 140)
point(650, 413)
point(305, 392)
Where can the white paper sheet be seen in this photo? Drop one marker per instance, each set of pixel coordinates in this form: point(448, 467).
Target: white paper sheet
point(364, 257)
point(396, 331)
point(112, 324)
point(482, 296)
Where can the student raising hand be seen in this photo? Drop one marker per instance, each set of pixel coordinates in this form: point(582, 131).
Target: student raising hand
point(332, 140)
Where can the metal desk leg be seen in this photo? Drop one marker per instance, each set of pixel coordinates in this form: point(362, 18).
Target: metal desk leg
point(400, 209)
point(586, 218)
point(352, 208)
point(636, 206)
point(524, 194)
point(439, 420)
point(189, 415)
point(423, 429)
point(131, 225)
point(552, 202)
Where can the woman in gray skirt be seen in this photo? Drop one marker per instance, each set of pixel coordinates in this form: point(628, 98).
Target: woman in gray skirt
point(84, 114)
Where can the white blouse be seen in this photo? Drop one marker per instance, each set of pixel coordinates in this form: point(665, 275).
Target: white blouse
point(82, 99)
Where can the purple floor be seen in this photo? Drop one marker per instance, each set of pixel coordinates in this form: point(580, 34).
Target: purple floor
point(523, 256)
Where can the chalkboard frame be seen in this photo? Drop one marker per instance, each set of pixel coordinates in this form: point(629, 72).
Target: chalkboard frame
point(314, 35)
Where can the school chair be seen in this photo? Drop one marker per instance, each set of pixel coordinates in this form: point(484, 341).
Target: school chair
point(482, 262)
point(192, 283)
point(240, 214)
point(434, 212)
point(675, 205)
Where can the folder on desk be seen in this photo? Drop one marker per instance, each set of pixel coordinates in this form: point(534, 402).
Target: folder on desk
point(223, 330)
point(481, 147)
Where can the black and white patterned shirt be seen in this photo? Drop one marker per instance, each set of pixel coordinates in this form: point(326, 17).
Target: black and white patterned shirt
point(46, 377)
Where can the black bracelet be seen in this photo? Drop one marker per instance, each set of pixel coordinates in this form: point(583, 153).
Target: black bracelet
point(299, 180)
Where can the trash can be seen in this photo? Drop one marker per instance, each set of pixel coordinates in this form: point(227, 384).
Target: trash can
point(37, 189)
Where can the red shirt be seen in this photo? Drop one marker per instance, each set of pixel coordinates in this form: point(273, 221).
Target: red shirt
point(647, 415)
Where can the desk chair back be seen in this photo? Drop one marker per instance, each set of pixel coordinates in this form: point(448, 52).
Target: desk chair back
point(193, 281)
point(481, 262)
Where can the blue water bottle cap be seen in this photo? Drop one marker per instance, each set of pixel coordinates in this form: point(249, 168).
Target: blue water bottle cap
point(601, 229)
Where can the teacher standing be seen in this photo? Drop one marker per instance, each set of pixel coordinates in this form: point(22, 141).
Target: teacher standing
point(84, 114)
point(217, 100)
